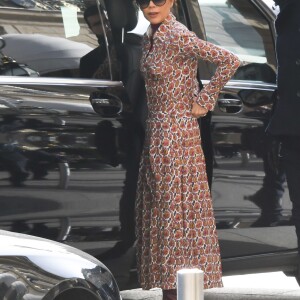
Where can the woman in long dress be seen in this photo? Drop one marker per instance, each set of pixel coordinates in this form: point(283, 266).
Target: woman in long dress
point(174, 213)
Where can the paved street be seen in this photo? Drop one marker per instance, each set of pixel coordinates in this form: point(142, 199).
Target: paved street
point(266, 286)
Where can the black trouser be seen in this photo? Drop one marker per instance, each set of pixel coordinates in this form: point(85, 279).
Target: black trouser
point(127, 201)
point(291, 160)
point(272, 191)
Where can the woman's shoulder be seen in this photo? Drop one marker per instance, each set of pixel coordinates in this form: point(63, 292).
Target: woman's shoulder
point(179, 31)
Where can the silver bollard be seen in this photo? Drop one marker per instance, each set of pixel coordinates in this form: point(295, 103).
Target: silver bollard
point(190, 284)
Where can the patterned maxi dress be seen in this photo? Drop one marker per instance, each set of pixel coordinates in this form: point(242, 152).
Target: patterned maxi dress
point(174, 214)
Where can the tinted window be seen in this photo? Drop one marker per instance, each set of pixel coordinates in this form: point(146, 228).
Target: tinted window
point(51, 37)
point(239, 26)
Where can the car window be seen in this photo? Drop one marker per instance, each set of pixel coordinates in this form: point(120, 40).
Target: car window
point(240, 27)
point(54, 38)
point(142, 24)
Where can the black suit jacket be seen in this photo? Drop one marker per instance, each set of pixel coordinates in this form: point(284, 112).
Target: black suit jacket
point(286, 118)
point(91, 62)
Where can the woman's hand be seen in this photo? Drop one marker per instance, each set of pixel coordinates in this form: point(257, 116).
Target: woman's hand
point(198, 111)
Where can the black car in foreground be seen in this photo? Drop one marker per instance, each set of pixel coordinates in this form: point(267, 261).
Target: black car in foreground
point(33, 268)
point(72, 125)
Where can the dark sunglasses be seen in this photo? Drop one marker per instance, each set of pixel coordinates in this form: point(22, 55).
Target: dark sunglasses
point(145, 3)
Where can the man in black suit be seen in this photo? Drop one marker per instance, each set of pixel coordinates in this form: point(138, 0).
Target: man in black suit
point(90, 63)
point(95, 64)
point(285, 122)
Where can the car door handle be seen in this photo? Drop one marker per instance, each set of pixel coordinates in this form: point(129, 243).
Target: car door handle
point(230, 105)
point(106, 105)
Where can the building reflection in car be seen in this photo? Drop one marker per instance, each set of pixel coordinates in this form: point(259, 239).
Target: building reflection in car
point(249, 145)
point(95, 147)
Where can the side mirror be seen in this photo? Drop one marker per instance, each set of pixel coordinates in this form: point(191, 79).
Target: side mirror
point(106, 105)
point(253, 98)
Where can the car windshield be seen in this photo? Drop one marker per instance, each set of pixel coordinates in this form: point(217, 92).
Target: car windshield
point(42, 4)
point(51, 37)
point(240, 27)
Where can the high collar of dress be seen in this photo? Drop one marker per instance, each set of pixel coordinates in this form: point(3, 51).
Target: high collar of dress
point(162, 28)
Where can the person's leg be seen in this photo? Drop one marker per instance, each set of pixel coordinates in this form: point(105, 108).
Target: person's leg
point(269, 197)
point(169, 295)
point(291, 159)
point(127, 201)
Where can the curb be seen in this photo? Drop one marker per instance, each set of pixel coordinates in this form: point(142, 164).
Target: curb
point(220, 293)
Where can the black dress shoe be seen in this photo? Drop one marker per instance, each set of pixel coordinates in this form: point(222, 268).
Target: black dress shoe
point(262, 221)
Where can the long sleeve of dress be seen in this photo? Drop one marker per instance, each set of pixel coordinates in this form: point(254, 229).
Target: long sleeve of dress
point(226, 62)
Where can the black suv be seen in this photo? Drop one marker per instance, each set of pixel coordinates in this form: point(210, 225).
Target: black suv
point(72, 129)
